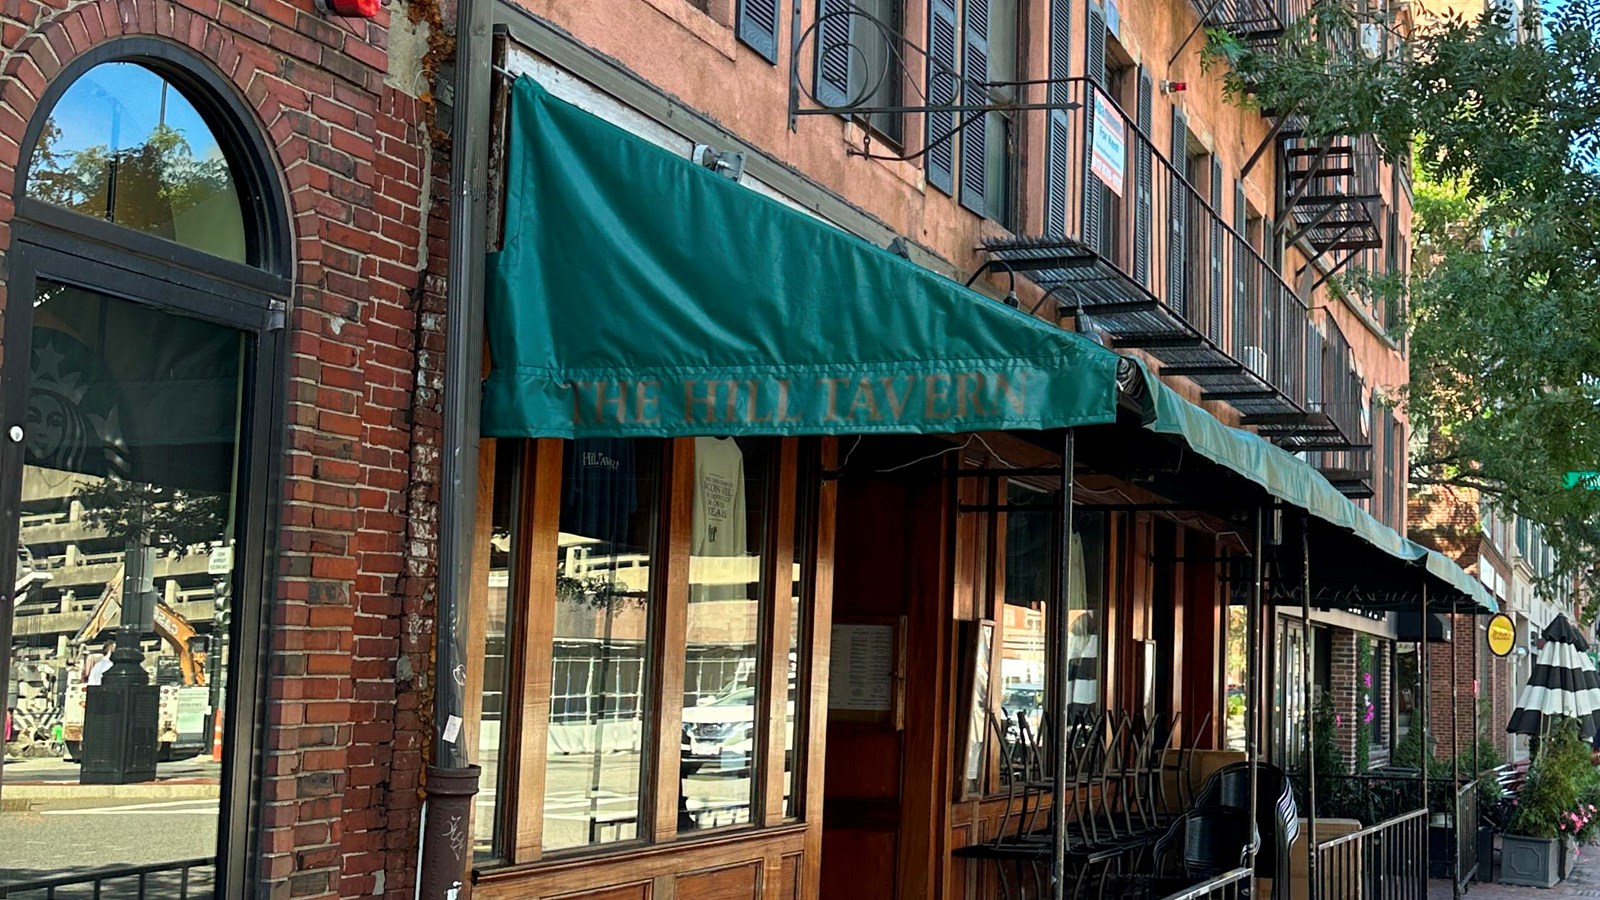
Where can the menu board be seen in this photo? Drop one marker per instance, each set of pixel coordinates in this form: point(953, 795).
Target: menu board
point(862, 668)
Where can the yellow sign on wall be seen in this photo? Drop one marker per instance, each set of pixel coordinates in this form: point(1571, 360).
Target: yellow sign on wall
point(1502, 635)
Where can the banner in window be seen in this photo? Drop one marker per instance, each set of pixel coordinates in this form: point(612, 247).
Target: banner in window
point(1110, 150)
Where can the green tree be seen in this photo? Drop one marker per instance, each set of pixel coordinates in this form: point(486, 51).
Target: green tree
point(1504, 299)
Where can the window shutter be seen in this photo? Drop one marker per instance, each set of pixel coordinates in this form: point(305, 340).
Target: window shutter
point(1058, 139)
point(974, 137)
point(1094, 193)
point(834, 53)
point(757, 26)
point(942, 87)
point(1178, 210)
point(1214, 325)
point(1243, 321)
point(1143, 165)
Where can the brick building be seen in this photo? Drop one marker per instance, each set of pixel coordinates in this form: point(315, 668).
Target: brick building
point(244, 441)
point(255, 178)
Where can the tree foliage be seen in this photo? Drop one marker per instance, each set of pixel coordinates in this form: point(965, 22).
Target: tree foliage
point(1502, 120)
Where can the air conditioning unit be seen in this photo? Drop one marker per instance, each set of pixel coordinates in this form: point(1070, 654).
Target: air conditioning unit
point(1371, 39)
point(1256, 360)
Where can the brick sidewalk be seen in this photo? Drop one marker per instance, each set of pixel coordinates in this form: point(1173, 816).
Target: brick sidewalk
point(1584, 882)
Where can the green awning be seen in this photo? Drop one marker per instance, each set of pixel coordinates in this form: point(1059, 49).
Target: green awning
point(1290, 479)
point(638, 294)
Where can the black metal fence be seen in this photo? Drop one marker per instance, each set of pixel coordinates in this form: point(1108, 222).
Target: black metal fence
point(1380, 862)
point(1465, 823)
point(1233, 885)
point(192, 879)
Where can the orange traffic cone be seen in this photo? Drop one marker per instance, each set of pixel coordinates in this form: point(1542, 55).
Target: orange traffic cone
point(216, 736)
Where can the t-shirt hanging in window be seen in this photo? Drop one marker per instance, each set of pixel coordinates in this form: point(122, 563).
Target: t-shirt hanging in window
point(600, 489)
point(719, 513)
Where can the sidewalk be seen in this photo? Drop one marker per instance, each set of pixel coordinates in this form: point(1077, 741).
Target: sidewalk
point(1584, 882)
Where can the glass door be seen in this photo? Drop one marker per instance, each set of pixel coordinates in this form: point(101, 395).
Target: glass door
point(122, 615)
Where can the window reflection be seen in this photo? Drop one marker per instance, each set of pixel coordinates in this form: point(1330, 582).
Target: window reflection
point(594, 754)
point(124, 603)
point(720, 749)
point(1031, 558)
point(125, 145)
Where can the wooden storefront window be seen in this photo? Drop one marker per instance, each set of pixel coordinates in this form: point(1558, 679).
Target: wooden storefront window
point(604, 669)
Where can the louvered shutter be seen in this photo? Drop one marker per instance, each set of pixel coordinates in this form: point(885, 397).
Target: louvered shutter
point(942, 87)
point(1058, 139)
point(757, 26)
point(1214, 325)
point(1143, 165)
point(834, 53)
point(975, 137)
point(1243, 320)
point(1094, 192)
point(1178, 211)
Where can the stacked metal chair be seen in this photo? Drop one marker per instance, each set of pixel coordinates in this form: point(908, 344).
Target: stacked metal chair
point(1117, 806)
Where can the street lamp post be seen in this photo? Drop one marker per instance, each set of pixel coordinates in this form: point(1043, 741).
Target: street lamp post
point(122, 713)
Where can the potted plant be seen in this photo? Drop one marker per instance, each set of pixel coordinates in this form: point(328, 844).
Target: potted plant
point(1545, 816)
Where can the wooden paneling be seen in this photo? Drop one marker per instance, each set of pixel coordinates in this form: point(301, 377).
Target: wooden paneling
point(639, 891)
point(533, 586)
point(791, 877)
point(742, 882)
point(858, 864)
point(1203, 621)
point(723, 863)
point(821, 643)
point(478, 613)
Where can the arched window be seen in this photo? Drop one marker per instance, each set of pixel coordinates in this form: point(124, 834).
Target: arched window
point(142, 321)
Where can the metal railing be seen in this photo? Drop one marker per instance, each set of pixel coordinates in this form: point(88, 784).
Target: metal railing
point(1139, 214)
point(1465, 822)
point(1232, 885)
point(182, 880)
point(1383, 862)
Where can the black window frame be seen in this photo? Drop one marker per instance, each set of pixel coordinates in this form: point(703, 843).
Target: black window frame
point(51, 243)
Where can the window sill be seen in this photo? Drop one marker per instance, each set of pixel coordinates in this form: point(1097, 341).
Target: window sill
point(633, 851)
point(702, 26)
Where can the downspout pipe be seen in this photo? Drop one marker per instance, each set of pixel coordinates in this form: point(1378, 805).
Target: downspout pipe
point(452, 780)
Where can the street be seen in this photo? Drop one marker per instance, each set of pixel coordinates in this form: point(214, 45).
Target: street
point(51, 825)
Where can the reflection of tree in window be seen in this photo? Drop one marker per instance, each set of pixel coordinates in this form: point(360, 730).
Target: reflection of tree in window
point(122, 144)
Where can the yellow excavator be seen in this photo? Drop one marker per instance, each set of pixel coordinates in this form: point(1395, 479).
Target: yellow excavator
point(183, 707)
point(170, 626)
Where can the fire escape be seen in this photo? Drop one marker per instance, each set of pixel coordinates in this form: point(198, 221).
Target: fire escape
point(1133, 248)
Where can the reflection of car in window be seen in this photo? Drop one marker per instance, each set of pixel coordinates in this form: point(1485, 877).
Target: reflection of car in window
point(1026, 699)
point(720, 732)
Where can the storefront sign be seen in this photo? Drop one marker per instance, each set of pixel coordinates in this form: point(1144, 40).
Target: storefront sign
point(1109, 158)
point(1502, 635)
point(797, 403)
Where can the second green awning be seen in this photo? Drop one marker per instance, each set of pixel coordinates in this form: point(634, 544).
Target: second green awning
point(638, 294)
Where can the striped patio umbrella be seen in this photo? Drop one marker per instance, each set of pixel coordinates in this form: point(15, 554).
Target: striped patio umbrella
point(1563, 683)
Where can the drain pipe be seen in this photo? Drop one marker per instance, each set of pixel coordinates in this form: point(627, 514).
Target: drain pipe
point(452, 780)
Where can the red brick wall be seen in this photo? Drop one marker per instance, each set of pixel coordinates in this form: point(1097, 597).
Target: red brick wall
point(1447, 675)
point(351, 622)
point(1344, 692)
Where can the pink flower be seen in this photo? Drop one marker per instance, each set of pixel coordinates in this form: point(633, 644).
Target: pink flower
point(1338, 720)
point(1513, 801)
point(1561, 825)
point(1366, 679)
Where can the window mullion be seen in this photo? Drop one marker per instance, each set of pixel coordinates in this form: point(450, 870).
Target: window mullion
point(534, 581)
point(777, 628)
point(673, 624)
